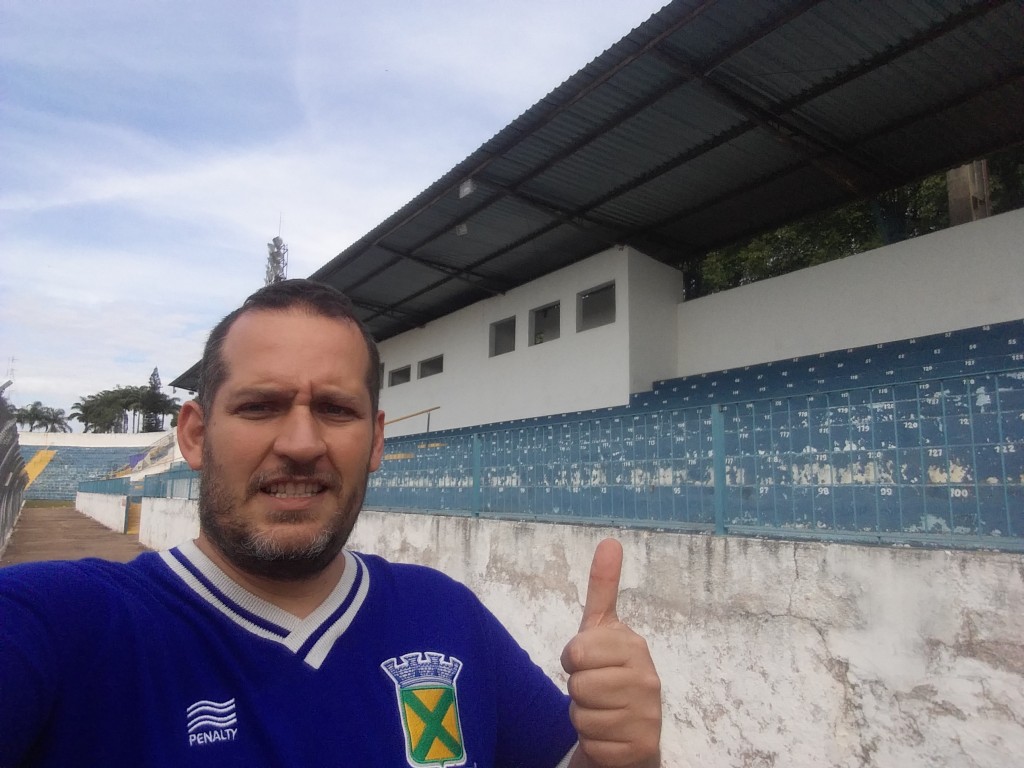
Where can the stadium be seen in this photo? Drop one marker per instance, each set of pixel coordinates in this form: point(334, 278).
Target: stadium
point(818, 478)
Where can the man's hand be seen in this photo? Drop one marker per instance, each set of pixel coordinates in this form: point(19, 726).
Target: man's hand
point(615, 690)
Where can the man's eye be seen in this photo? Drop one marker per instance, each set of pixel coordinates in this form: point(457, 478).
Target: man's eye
point(255, 408)
point(334, 410)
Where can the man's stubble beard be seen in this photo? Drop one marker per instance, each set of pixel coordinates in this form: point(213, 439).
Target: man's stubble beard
point(260, 553)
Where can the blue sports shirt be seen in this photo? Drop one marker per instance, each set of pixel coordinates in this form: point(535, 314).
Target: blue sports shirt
point(165, 661)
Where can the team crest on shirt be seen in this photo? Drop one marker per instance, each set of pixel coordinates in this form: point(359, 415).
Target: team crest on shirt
point(429, 706)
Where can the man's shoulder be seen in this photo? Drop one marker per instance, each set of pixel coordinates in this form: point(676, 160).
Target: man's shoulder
point(73, 580)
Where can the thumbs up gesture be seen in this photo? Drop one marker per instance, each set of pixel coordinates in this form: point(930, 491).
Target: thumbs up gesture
point(615, 690)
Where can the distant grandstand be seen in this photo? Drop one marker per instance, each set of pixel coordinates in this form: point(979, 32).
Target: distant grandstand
point(56, 463)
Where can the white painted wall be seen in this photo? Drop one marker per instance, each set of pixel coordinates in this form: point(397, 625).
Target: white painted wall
point(772, 653)
point(104, 508)
point(167, 523)
point(960, 277)
point(577, 371)
point(90, 440)
point(655, 291)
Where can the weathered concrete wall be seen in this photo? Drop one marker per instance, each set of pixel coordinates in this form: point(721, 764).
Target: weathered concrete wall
point(772, 653)
point(103, 508)
point(168, 522)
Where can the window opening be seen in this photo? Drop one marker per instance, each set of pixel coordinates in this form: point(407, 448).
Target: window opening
point(595, 307)
point(399, 376)
point(431, 367)
point(503, 336)
point(545, 324)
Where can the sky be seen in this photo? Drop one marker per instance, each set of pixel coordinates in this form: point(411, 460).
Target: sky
point(150, 150)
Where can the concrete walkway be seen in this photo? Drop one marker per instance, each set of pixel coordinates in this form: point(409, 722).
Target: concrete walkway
point(63, 533)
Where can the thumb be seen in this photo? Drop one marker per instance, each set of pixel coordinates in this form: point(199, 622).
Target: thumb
point(603, 588)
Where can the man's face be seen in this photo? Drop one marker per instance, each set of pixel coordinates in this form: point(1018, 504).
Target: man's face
point(288, 445)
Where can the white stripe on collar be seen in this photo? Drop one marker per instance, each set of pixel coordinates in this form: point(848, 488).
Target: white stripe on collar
point(264, 619)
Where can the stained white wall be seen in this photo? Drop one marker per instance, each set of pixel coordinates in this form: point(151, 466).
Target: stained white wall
point(960, 277)
point(167, 523)
point(771, 653)
point(106, 509)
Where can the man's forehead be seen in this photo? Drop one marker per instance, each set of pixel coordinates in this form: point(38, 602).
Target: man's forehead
point(263, 335)
point(267, 325)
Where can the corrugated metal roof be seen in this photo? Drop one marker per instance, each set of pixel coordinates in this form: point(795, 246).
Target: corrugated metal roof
point(709, 122)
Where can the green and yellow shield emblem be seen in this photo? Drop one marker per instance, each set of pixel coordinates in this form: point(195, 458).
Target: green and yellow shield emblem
point(429, 706)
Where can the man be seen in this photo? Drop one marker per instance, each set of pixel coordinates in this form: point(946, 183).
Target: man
point(265, 641)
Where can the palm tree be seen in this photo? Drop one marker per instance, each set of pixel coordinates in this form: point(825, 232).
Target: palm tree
point(102, 412)
point(31, 416)
point(54, 420)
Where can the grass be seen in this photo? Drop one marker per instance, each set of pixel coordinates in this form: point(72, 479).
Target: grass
point(37, 503)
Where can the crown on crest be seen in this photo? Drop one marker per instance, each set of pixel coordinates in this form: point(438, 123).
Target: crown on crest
point(421, 668)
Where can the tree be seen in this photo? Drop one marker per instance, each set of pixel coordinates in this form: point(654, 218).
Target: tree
point(125, 409)
point(102, 412)
point(42, 416)
point(55, 420)
point(815, 240)
point(907, 211)
point(28, 416)
point(151, 405)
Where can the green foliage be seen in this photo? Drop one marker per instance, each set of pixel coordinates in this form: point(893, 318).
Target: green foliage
point(815, 240)
point(908, 211)
point(127, 409)
point(1006, 180)
point(45, 418)
point(152, 402)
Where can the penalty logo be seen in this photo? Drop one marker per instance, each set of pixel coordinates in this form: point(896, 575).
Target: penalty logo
point(429, 705)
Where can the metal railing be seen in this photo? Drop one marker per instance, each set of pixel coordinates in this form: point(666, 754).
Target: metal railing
point(928, 463)
point(115, 486)
point(13, 479)
point(178, 483)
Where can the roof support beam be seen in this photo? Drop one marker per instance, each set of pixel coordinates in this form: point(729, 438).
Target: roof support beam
point(620, 117)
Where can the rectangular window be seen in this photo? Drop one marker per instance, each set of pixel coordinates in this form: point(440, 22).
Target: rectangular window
point(544, 324)
point(503, 336)
point(431, 367)
point(399, 376)
point(595, 307)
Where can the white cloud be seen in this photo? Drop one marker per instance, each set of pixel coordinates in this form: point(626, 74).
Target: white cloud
point(149, 151)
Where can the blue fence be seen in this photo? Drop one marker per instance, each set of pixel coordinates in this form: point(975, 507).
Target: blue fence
point(921, 441)
point(923, 444)
point(115, 486)
point(178, 483)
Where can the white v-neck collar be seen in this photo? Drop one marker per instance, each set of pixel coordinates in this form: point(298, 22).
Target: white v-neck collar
point(311, 638)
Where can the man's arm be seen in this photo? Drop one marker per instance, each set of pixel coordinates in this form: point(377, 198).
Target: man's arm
point(615, 690)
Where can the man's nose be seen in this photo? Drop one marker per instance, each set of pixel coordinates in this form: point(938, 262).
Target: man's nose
point(300, 438)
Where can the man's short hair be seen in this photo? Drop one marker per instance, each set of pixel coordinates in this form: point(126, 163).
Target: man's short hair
point(316, 298)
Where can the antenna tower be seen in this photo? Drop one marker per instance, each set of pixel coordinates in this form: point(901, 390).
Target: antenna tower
point(277, 261)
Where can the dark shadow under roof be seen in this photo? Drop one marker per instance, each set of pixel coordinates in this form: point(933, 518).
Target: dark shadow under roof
point(709, 122)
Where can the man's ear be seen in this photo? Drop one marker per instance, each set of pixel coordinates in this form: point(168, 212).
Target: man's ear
point(377, 449)
point(191, 433)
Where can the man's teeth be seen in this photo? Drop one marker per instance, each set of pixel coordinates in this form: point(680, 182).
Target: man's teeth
point(289, 490)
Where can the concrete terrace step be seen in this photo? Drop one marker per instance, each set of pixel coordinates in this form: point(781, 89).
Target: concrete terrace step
point(64, 533)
